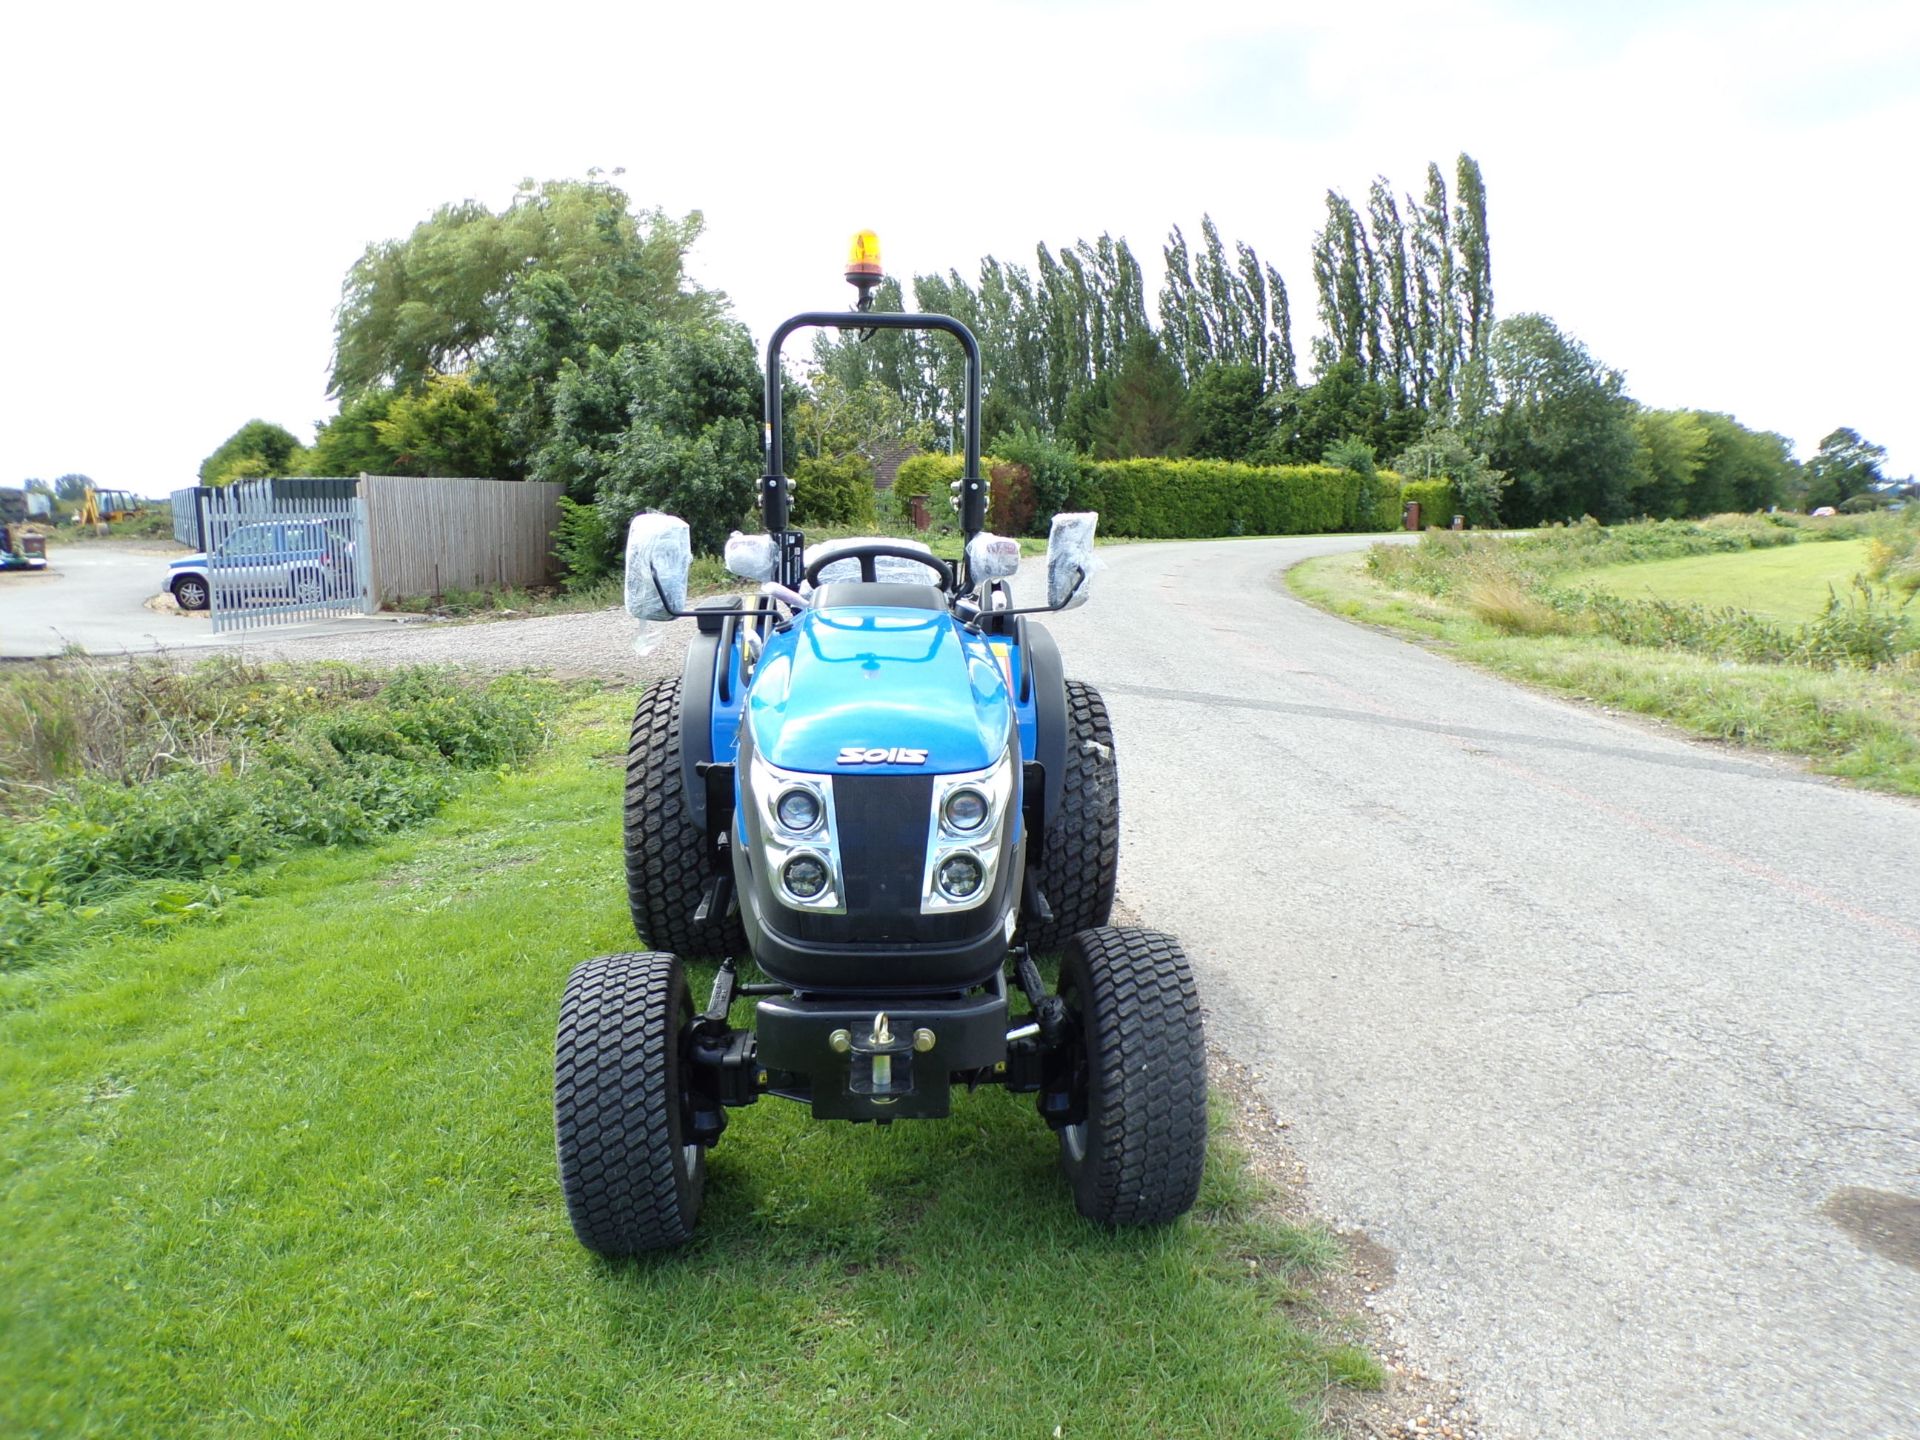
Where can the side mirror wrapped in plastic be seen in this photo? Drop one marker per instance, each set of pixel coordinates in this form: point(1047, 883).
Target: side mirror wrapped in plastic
point(752, 557)
point(992, 557)
point(659, 555)
point(1070, 559)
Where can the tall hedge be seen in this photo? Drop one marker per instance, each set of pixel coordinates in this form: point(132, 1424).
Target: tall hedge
point(1199, 499)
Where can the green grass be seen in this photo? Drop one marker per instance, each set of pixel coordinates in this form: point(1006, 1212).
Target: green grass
point(1790, 583)
point(1861, 725)
point(291, 1173)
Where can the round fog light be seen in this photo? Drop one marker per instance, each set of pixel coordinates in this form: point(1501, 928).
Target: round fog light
point(959, 876)
point(798, 810)
point(966, 810)
point(804, 876)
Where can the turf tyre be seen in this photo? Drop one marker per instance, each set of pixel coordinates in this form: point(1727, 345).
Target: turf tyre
point(1141, 1066)
point(669, 865)
point(1080, 852)
point(631, 1180)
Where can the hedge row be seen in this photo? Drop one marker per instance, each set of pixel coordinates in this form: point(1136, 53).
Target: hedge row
point(1197, 499)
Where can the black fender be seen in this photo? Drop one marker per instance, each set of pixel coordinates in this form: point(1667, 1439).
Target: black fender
point(1042, 668)
point(710, 649)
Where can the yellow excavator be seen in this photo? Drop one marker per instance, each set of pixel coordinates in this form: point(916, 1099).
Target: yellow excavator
point(100, 507)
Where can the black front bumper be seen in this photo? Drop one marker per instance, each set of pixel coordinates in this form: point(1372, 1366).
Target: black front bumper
point(795, 1037)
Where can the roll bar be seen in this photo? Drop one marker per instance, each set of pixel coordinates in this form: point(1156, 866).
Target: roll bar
point(776, 499)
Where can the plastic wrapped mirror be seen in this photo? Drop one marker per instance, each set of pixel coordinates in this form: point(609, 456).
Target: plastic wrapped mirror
point(1070, 559)
point(752, 557)
point(659, 554)
point(992, 557)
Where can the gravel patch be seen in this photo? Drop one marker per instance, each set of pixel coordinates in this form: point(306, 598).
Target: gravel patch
point(597, 644)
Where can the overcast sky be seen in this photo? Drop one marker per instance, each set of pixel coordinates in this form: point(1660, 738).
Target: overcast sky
point(1721, 200)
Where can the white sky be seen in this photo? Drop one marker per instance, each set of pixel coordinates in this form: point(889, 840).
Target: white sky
point(1722, 200)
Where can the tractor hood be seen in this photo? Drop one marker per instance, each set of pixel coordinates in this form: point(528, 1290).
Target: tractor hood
point(849, 689)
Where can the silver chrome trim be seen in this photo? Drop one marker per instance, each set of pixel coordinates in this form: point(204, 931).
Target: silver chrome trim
point(984, 842)
point(765, 785)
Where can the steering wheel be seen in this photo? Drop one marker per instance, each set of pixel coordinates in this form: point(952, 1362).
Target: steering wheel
point(867, 554)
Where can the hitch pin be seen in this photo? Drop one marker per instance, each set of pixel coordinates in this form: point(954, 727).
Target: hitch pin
point(1024, 1032)
point(882, 1064)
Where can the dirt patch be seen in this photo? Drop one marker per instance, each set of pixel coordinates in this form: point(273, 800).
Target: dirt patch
point(165, 604)
point(1414, 1402)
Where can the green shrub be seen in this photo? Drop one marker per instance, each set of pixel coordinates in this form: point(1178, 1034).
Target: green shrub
point(1052, 471)
point(932, 476)
point(585, 544)
point(833, 491)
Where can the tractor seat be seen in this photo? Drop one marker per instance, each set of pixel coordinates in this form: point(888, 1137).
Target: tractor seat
point(888, 594)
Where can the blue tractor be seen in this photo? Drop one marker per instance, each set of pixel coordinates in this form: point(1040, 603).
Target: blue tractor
point(874, 782)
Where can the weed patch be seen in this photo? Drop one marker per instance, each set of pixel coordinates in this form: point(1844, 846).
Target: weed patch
point(141, 793)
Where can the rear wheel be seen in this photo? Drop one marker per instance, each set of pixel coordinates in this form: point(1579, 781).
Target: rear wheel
point(1080, 854)
point(631, 1178)
point(669, 864)
point(1140, 1078)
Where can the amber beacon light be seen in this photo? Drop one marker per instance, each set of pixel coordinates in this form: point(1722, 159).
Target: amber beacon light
point(863, 265)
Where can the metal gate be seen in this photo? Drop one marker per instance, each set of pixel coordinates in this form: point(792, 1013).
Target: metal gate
point(280, 560)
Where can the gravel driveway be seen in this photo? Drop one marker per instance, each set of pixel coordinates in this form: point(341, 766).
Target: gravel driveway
point(599, 644)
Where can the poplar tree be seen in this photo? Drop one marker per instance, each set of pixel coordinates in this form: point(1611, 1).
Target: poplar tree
point(1281, 372)
point(1475, 276)
point(1437, 322)
point(1392, 303)
point(1340, 262)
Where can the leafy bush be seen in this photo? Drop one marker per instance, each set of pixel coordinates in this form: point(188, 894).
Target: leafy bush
point(178, 775)
point(1011, 506)
point(1052, 471)
point(833, 492)
point(585, 543)
point(932, 476)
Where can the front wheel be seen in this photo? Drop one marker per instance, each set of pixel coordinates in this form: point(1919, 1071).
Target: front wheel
point(669, 867)
point(1139, 1078)
point(190, 593)
point(633, 1180)
point(1080, 853)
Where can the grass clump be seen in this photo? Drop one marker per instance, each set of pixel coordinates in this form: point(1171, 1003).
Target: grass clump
point(136, 792)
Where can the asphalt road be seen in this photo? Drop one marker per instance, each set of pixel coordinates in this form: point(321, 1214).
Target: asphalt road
point(1602, 1033)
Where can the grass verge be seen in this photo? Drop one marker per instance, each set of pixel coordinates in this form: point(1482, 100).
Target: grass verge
point(1863, 725)
point(291, 1172)
point(1791, 583)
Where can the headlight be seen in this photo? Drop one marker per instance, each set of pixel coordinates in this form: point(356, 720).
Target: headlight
point(805, 876)
point(966, 836)
point(798, 810)
point(966, 810)
point(796, 840)
point(960, 875)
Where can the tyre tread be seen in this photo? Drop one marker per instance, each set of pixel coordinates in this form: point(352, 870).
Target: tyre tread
point(613, 1094)
point(1147, 1106)
point(668, 865)
point(1080, 855)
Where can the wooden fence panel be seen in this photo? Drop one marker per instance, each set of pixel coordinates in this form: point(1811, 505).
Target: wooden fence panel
point(426, 537)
